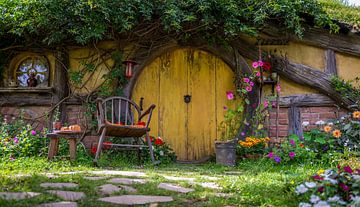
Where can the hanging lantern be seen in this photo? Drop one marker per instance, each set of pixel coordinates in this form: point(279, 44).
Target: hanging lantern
point(129, 67)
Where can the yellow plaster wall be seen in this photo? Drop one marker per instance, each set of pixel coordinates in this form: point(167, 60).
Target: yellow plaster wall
point(91, 81)
point(348, 67)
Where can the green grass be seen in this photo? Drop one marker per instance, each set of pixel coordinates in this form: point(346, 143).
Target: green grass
point(259, 183)
point(341, 12)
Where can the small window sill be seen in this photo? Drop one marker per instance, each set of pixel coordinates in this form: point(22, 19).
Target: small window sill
point(26, 90)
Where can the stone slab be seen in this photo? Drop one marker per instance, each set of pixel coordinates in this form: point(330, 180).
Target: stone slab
point(17, 195)
point(128, 188)
point(68, 195)
point(59, 185)
point(171, 187)
point(136, 199)
point(59, 204)
point(127, 181)
point(209, 177)
point(179, 178)
point(210, 185)
point(108, 189)
point(122, 173)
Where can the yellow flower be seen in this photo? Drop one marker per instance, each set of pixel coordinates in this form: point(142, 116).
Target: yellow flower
point(321, 171)
point(327, 129)
point(356, 114)
point(292, 182)
point(336, 133)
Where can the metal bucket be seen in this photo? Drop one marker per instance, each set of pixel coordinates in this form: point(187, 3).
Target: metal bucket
point(225, 153)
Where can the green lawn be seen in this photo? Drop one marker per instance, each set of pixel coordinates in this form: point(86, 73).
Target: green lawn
point(256, 183)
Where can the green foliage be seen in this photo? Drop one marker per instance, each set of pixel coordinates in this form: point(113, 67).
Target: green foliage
point(18, 139)
point(347, 88)
point(231, 124)
point(341, 11)
point(84, 21)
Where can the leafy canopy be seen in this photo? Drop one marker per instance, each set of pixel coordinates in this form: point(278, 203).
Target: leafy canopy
point(83, 21)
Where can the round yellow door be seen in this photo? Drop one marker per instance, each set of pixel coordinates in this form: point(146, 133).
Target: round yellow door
point(188, 88)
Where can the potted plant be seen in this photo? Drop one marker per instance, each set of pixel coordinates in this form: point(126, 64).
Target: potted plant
point(57, 123)
point(225, 146)
point(252, 147)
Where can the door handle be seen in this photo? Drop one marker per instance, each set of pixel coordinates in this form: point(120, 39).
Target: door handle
point(187, 98)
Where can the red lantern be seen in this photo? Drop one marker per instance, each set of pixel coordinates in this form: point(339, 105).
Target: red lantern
point(129, 67)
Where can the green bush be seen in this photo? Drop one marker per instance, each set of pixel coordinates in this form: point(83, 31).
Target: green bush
point(18, 139)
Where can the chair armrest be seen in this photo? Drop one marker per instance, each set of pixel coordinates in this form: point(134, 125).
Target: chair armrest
point(147, 112)
point(100, 112)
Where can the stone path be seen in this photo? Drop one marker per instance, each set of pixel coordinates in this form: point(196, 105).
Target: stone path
point(114, 185)
point(17, 195)
point(68, 195)
point(176, 188)
point(136, 199)
point(59, 204)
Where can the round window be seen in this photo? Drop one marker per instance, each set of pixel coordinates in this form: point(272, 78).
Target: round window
point(33, 72)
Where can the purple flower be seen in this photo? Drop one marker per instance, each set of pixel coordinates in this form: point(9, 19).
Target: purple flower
point(248, 88)
point(11, 158)
point(278, 88)
point(255, 64)
point(225, 108)
point(246, 80)
point(251, 83)
point(292, 142)
point(242, 133)
point(348, 169)
point(266, 103)
point(258, 74)
point(270, 155)
point(229, 95)
point(277, 159)
point(325, 148)
point(344, 187)
point(274, 104)
point(16, 140)
point(33, 132)
point(291, 154)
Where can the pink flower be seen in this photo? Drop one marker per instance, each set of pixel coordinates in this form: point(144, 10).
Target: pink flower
point(318, 177)
point(251, 83)
point(248, 88)
point(291, 154)
point(225, 108)
point(229, 95)
point(270, 155)
point(292, 142)
point(16, 140)
point(246, 80)
point(33, 132)
point(320, 189)
point(344, 187)
point(12, 158)
point(242, 133)
point(278, 88)
point(260, 63)
point(266, 103)
point(255, 64)
point(258, 74)
point(348, 169)
point(273, 104)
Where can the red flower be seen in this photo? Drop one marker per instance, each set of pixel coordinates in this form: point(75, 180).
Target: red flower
point(344, 187)
point(348, 169)
point(151, 139)
point(302, 145)
point(318, 177)
point(320, 189)
point(141, 123)
point(107, 145)
point(266, 66)
point(93, 150)
point(159, 141)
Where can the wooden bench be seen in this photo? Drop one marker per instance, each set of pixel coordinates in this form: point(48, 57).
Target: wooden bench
point(54, 142)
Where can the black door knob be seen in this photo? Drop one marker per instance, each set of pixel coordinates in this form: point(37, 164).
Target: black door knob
point(187, 98)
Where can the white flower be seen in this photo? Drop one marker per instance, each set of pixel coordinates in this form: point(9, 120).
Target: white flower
point(356, 199)
point(356, 177)
point(310, 184)
point(322, 204)
point(332, 181)
point(301, 189)
point(334, 199)
point(304, 205)
point(305, 123)
point(161, 153)
point(330, 123)
point(321, 122)
point(314, 199)
point(342, 118)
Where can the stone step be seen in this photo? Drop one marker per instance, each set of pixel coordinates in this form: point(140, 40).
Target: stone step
point(136, 199)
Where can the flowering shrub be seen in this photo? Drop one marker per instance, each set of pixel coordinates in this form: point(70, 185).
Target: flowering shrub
point(162, 151)
point(252, 145)
point(331, 188)
point(292, 150)
point(18, 139)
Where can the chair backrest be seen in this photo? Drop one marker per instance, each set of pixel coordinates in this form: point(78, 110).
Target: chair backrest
point(116, 110)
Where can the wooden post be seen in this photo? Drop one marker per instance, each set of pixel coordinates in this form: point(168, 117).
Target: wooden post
point(330, 62)
point(295, 121)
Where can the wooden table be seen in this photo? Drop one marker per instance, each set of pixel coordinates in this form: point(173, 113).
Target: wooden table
point(72, 136)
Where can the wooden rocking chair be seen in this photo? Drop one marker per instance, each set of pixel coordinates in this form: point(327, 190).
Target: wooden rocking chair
point(116, 117)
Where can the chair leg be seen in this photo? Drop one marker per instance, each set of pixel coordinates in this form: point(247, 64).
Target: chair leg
point(150, 148)
point(99, 147)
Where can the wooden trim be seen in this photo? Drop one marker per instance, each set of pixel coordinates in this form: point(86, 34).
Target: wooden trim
point(303, 100)
point(18, 100)
point(27, 90)
point(330, 62)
